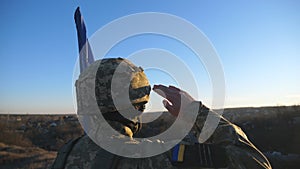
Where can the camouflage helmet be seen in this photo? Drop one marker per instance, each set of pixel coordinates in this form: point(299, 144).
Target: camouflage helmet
point(120, 81)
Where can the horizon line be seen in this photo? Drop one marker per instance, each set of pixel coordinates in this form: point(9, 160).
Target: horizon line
point(74, 113)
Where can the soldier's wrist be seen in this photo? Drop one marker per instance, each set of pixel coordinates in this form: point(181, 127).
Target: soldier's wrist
point(190, 112)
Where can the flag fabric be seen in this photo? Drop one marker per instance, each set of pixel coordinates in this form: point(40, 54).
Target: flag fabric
point(85, 52)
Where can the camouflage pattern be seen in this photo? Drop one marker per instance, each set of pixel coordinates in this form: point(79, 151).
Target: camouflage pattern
point(130, 80)
point(94, 91)
point(240, 151)
point(86, 154)
point(128, 74)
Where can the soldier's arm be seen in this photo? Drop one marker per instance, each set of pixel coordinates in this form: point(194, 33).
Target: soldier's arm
point(241, 153)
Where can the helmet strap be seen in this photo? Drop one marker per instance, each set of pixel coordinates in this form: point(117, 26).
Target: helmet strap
point(117, 117)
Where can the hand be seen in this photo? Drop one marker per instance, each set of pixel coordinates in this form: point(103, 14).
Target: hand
point(175, 98)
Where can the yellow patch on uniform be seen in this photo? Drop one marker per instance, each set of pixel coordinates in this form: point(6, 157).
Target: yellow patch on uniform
point(181, 153)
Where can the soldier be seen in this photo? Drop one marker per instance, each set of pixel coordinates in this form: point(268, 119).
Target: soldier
point(228, 146)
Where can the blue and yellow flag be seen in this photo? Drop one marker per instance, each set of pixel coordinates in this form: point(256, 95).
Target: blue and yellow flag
point(178, 153)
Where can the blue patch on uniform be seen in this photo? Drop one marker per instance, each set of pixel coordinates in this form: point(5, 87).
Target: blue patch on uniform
point(175, 153)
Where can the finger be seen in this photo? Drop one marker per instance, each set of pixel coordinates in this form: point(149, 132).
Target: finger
point(160, 87)
point(174, 88)
point(168, 106)
point(170, 96)
point(170, 93)
point(160, 92)
point(156, 86)
point(165, 89)
point(174, 98)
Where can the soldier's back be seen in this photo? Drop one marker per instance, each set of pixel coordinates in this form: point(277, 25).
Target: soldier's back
point(84, 153)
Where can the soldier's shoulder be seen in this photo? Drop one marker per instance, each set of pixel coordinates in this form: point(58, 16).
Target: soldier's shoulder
point(77, 153)
point(84, 143)
point(83, 152)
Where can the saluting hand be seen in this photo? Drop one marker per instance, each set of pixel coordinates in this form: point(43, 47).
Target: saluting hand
point(175, 98)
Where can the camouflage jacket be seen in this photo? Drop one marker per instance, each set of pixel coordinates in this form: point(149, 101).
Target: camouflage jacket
point(240, 152)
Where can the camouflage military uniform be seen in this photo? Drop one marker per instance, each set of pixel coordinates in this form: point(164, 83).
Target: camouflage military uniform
point(240, 151)
point(85, 154)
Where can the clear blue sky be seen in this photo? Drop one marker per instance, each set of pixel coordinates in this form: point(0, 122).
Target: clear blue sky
point(258, 43)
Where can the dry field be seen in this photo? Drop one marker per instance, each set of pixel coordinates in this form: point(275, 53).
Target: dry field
point(31, 141)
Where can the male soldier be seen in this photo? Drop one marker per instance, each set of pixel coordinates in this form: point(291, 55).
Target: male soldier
point(228, 146)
